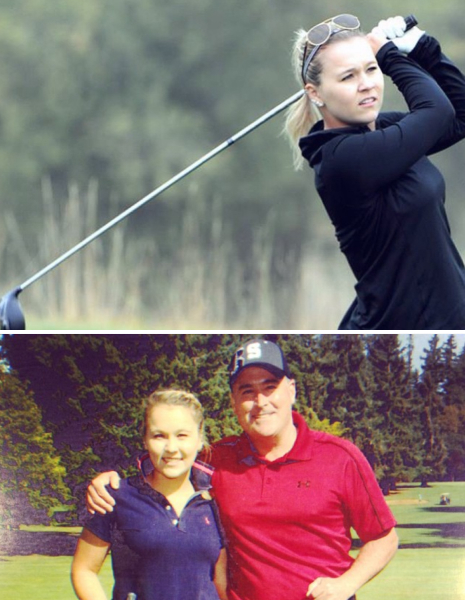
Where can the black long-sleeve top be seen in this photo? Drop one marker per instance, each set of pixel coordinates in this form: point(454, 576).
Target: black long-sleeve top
point(386, 199)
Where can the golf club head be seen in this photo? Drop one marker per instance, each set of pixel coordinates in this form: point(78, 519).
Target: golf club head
point(11, 314)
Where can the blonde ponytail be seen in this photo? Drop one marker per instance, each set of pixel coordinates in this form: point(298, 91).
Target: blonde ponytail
point(301, 116)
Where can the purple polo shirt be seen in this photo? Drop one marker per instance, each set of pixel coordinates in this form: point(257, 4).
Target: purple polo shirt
point(155, 553)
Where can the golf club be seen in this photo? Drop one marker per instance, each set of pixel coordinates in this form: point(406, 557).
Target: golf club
point(11, 314)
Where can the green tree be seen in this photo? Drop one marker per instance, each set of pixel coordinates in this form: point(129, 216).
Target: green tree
point(96, 383)
point(91, 399)
point(452, 421)
point(396, 419)
point(32, 475)
point(312, 368)
point(431, 395)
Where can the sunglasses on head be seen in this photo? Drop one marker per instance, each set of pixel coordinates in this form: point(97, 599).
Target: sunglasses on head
point(320, 34)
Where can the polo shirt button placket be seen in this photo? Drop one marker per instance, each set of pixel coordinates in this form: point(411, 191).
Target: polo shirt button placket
point(174, 521)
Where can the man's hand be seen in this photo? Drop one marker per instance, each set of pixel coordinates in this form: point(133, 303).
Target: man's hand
point(97, 497)
point(370, 561)
point(326, 588)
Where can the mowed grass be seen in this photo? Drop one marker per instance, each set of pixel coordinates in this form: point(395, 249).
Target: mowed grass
point(420, 574)
point(429, 565)
point(40, 577)
point(431, 560)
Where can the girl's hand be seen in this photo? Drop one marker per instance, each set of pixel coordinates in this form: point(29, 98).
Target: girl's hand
point(394, 29)
point(377, 39)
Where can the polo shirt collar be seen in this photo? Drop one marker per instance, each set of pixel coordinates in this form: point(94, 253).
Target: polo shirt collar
point(144, 488)
point(301, 450)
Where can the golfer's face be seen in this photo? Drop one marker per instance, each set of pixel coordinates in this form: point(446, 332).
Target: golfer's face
point(352, 84)
point(263, 402)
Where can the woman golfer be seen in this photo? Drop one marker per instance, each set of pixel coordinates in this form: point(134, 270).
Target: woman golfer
point(163, 533)
point(381, 192)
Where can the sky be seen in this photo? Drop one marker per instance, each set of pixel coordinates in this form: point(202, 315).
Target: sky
point(421, 341)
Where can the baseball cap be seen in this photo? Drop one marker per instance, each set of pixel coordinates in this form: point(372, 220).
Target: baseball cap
point(259, 353)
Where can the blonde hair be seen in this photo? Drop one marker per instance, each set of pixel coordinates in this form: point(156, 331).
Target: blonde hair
point(302, 115)
point(175, 398)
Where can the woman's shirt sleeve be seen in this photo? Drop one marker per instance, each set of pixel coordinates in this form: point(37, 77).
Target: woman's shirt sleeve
point(451, 80)
point(101, 526)
point(365, 162)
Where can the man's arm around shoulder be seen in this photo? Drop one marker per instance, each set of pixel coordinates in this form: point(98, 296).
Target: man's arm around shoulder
point(97, 498)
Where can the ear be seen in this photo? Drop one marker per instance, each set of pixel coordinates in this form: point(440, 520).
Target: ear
point(312, 93)
point(293, 390)
point(311, 90)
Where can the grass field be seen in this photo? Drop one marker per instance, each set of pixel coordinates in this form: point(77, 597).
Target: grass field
point(430, 563)
point(431, 560)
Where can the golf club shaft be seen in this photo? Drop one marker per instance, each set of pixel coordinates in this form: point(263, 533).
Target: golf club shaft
point(201, 161)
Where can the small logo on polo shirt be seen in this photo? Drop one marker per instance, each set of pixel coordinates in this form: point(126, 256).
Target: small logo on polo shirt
point(207, 521)
point(304, 483)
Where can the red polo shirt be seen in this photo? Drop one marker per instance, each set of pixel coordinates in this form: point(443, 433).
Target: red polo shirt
point(288, 521)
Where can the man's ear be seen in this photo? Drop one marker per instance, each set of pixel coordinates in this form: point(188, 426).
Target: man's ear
point(294, 390)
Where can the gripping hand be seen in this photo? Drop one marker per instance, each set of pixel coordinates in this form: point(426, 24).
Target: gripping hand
point(394, 29)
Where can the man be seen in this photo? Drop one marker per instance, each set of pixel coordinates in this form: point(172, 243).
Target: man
point(288, 496)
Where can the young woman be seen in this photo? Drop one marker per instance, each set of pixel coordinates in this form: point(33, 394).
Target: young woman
point(381, 192)
point(164, 534)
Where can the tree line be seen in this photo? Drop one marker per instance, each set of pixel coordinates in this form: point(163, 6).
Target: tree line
point(70, 405)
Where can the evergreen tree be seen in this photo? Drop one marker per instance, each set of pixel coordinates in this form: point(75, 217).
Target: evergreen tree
point(433, 451)
point(31, 472)
point(452, 421)
point(394, 432)
point(303, 353)
point(95, 385)
point(92, 397)
point(342, 364)
point(449, 357)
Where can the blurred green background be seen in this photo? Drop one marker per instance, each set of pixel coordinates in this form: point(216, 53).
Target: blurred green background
point(101, 101)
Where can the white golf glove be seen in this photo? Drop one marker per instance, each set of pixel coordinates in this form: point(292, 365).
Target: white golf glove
point(394, 30)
